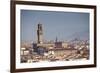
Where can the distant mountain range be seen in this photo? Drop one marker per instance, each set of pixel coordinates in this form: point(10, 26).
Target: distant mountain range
point(84, 35)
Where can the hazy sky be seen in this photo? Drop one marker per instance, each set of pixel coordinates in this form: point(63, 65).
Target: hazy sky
point(63, 25)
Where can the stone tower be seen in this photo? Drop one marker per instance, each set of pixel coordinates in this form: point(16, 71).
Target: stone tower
point(39, 34)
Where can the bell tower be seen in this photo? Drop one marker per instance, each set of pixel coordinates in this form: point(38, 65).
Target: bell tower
point(39, 34)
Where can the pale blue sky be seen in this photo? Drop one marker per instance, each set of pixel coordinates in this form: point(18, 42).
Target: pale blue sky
point(64, 25)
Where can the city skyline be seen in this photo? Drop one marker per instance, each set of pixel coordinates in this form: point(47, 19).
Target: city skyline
point(63, 25)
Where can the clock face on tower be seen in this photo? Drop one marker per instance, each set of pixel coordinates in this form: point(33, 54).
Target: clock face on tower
point(40, 32)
